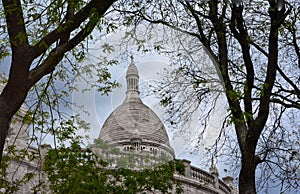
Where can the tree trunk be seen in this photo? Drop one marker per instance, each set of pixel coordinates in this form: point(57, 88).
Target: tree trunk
point(11, 99)
point(4, 125)
point(247, 173)
point(247, 178)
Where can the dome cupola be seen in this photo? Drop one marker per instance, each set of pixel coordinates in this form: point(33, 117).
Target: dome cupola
point(132, 78)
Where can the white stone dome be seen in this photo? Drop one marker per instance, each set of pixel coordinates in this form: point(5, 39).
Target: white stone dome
point(133, 122)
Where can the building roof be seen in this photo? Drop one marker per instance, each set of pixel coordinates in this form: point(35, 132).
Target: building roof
point(132, 70)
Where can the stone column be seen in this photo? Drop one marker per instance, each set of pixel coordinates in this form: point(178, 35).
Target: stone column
point(214, 171)
point(187, 171)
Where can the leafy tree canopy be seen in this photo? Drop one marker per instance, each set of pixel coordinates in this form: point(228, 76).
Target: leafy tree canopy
point(73, 169)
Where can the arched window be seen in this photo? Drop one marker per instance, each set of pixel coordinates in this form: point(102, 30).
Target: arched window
point(126, 148)
point(152, 150)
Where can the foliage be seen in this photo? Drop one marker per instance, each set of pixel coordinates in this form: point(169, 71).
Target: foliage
point(73, 169)
point(45, 44)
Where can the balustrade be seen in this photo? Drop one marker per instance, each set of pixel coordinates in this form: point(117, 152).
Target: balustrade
point(201, 175)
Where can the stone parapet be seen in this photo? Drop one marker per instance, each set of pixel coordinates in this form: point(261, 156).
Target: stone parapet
point(204, 180)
